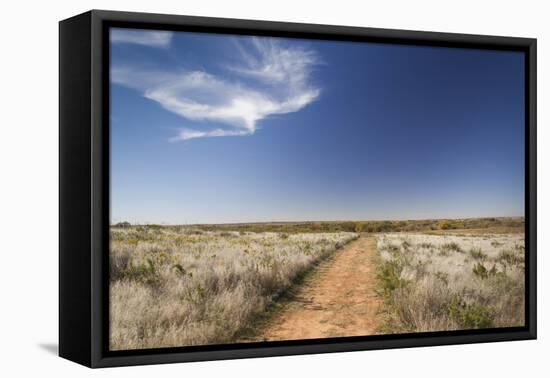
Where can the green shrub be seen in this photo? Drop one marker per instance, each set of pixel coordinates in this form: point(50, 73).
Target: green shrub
point(477, 254)
point(480, 270)
point(145, 273)
point(510, 257)
point(445, 225)
point(469, 315)
point(451, 247)
point(390, 276)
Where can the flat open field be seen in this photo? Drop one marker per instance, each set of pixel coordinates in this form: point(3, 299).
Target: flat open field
point(450, 282)
point(174, 287)
point(193, 285)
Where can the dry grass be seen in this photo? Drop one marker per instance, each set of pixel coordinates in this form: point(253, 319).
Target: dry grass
point(435, 283)
point(181, 286)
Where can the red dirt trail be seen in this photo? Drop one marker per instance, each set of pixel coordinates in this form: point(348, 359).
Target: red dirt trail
point(339, 299)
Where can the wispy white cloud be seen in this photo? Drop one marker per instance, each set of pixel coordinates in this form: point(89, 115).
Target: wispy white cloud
point(186, 134)
point(272, 79)
point(151, 38)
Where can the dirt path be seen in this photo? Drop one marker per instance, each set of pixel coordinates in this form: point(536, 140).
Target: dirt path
point(339, 300)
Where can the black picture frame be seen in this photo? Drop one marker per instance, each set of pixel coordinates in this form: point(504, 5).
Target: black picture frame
point(84, 188)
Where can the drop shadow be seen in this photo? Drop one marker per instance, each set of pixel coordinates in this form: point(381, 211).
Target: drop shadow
point(51, 348)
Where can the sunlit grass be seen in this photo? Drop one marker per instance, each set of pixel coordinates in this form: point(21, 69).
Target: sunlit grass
point(183, 286)
point(436, 283)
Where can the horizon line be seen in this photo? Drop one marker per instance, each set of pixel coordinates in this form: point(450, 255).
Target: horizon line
point(314, 221)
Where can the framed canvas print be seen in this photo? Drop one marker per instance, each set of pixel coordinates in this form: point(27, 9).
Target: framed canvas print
point(233, 188)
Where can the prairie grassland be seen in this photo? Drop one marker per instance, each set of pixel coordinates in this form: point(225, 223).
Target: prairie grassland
point(451, 282)
point(178, 286)
point(483, 225)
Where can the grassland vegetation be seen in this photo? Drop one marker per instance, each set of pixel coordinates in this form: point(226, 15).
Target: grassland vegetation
point(450, 282)
point(178, 286)
point(494, 225)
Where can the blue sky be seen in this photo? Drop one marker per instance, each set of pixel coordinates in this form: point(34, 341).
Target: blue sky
point(214, 128)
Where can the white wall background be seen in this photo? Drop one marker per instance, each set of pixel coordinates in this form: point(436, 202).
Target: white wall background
point(29, 186)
